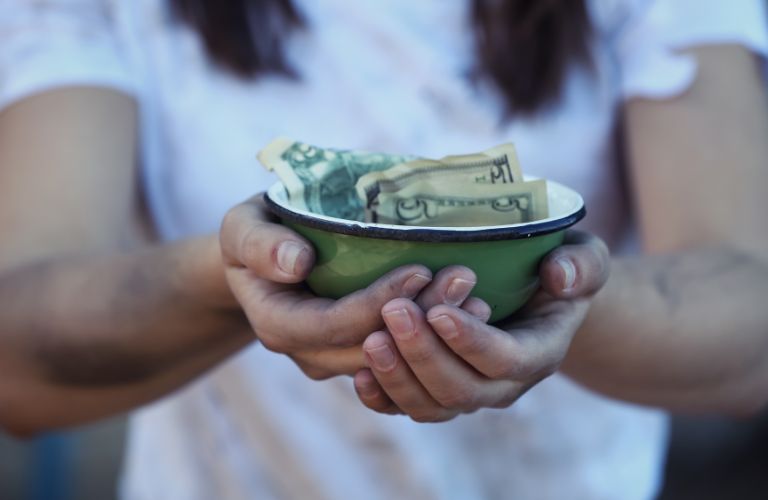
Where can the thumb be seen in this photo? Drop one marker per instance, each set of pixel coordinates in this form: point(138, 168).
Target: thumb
point(271, 251)
point(579, 268)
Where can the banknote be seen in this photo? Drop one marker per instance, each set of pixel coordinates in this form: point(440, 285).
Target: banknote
point(322, 180)
point(452, 204)
point(498, 165)
point(478, 189)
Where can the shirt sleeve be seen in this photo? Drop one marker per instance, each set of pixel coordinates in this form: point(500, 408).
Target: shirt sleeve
point(52, 43)
point(648, 46)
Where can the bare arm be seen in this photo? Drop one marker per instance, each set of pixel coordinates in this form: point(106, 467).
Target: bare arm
point(686, 327)
point(92, 320)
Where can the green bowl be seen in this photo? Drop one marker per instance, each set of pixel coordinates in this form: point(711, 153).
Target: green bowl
point(351, 255)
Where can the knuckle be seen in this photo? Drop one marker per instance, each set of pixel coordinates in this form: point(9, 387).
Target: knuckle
point(548, 370)
point(388, 409)
point(464, 399)
point(502, 371)
point(228, 233)
point(308, 363)
point(390, 288)
point(336, 337)
point(272, 342)
point(506, 401)
point(340, 326)
point(378, 293)
point(316, 373)
point(383, 287)
point(330, 335)
point(467, 344)
point(418, 354)
point(523, 388)
point(373, 404)
point(378, 404)
point(400, 390)
point(554, 366)
point(522, 370)
point(250, 246)
point(513, 367)
point(231, 219)
point(428, 416)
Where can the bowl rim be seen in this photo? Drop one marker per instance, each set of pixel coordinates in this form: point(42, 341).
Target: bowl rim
point(424, 233)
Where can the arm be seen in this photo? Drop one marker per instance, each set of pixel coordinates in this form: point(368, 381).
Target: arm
point(686, 327)
point(91, 323)
point(94, 321)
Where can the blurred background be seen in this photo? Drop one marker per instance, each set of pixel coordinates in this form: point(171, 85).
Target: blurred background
point(709, 459)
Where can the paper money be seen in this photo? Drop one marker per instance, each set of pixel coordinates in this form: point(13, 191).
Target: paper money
point(494, 166)
point(451, 204)
point(323, 180)
point(468, 190)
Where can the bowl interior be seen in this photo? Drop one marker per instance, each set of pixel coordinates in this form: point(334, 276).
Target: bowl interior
point(566, 207)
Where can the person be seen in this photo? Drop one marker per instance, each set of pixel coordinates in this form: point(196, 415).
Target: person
point(127, 134)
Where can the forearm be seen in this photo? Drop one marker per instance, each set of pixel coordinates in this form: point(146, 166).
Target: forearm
point(111, 332)
point(688, 332)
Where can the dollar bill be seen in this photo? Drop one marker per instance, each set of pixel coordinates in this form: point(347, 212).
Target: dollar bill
point(322, 180)
point(445, 203)
point(498, 165)
point(479, 189)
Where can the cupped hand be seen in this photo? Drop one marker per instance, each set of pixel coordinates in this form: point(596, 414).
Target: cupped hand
point(265, 265)
point(437, 364)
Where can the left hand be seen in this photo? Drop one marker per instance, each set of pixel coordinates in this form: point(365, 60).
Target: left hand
point(437, 364)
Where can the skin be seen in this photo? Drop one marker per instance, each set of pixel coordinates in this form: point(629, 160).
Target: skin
point(683, 327)
point(95, 319)
point(159, 315)
point(701, 289)
point(437, 364)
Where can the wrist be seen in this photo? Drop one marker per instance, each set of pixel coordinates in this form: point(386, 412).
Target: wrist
point(200, 274)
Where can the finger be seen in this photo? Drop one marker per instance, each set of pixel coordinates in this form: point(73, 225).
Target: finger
point(372, 395)
point(360, 313)
point(532, 347)
point(287, 319)
point(448, 379)
point(399, 383)
point(321, 365)
point(271, 251)
point(477, 308)
point(578, 268)
point(451, 285)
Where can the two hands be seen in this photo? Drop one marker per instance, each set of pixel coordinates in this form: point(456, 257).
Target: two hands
point(415, 343)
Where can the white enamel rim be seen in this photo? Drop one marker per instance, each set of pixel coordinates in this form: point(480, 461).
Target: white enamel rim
point(563, 202)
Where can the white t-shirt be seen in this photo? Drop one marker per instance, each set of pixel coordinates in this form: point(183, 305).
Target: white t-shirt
point(382, 76)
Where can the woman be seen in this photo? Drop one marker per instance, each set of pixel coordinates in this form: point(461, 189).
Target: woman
point(94, 322)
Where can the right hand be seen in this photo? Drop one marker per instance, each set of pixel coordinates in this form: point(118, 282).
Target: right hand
point(436, 360)
point(265, 265)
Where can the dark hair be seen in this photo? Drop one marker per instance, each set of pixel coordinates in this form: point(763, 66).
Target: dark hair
point(525, 47)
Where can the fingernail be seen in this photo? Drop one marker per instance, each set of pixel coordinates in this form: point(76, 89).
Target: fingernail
point(569, 273)
point(288, 255)
point(444, 326)
point(458, 291)
point(382, 357)
point(415, 284)
point(399, 323)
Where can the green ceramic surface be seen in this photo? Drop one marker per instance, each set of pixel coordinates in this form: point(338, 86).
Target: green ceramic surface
point(507, 270)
